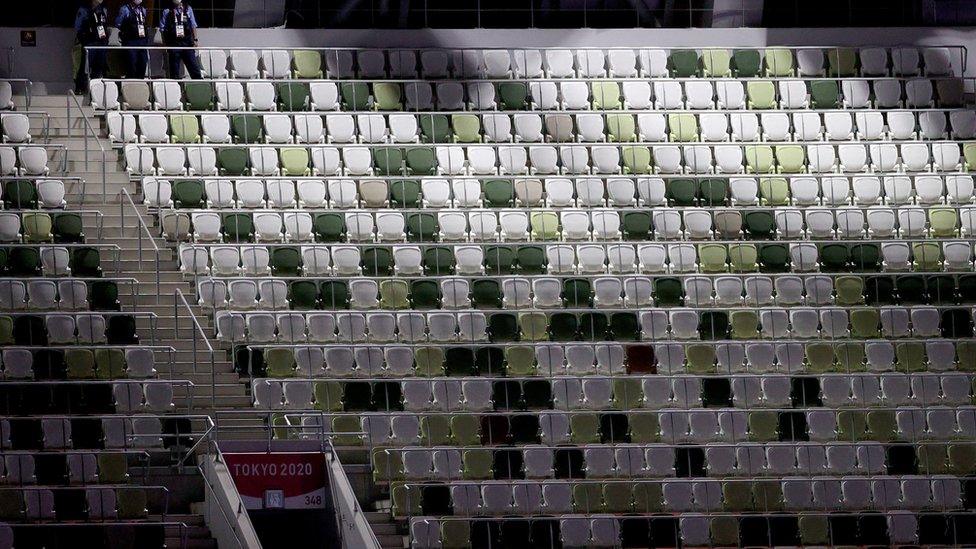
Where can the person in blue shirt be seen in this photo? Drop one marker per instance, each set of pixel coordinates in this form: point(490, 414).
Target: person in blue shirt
point(179, 28)
point(91, 29)
point(134, 34)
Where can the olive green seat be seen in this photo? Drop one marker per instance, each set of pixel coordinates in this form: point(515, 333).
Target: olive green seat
point(545, 225)
point(131, 503)
point(80, 363)
point(683, 126)
point(819, 356)
point(184, 128)
point(307, 64)
point(790, 158)
point(294, 161)
point(761, 94)
point(841, 62)
point(476, 464)
point(852, 425)
point(716, 63)
point(700, 358)
point(280, 362)
point(37, 227)
point(759, 158)
point(328, 396)
point(533, 326)
point(763, 425)
point(467, 128)
point(387, 465)
point(621, 128)
point(774, 191)
point(743, 258)
point(429, 361)
point(435, 430)
point(465, 430)
point(778, 62)
point(584, 428)
point(606, 96)
point(637, 160)
point(112, 468)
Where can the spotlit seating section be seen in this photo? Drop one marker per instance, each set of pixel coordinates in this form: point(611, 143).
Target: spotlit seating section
point(602, 298)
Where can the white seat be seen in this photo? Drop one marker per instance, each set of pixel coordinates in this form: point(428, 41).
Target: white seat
point(699, 95)
point(807, 125)
point(745, 126)
point(260, 96)
point(637, 95)
point(668, 94)
point(590, 63)
point(167, 95)
point(792, 94)
point(887, 93)
point(731, 95)
point(857, 93)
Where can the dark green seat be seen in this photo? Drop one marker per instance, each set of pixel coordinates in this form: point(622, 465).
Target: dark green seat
point(29, 330)
point(355, 96)
point(421, 161)
point(499, 260)
point(19, 194)
point(388, 161)
point(405, 193)
point(460, 361)
point(334, 294)
point(435, 128)
point(232, 161)
point(67, 227)
point(563, 327)
point(759, 224)
point(237, 227)
point(577, 293)
point(188, 193)
point(486, 293)
point(746, 63)
point(512, 96)
point(292, 96)
point(681, 191)
point(866, 257)
point(121, 330)
point(713, 191)
point(356, 396)
point(303, 294)
point(329, 227)
point(668, 292)
point(624, 327)
point(377, 261)
point(503, 327)
point(24, 262)
point(499, 193)
point(246, 128)
point(824, 94)
point(637, 225)
point(941, 289)
point(683, 63)
point(967, 288)
point(198, 96)
point(531, 259)
point(834, 257)
point(422, 227)
point(593, 326)
point(285, 261)
point(438, 261)
point(86, 262)
point(104, 296)
point(713, 325)
point(911, 289)
point(773, 258)
point(425, 294)
point(879, 290)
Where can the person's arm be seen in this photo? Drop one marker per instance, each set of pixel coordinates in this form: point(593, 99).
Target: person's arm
point(123, 15)
point(162, 25)
point(80, 21)
point(193, 23)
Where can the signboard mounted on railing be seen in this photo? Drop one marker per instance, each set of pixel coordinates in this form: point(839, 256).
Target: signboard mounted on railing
point(279, 480)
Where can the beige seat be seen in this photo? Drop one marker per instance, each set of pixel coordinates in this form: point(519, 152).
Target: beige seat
point(529, 191)
point(374, 193)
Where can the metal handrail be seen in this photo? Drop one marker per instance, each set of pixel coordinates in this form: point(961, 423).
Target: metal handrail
point(89, 132)
point(343, 496)
point(145, 228)
point(178, 297)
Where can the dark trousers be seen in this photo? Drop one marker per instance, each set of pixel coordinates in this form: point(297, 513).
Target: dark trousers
point(93, 64)
point(186, 57)
point(136, 60)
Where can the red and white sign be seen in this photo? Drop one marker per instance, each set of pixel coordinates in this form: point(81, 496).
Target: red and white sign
point(294, 480)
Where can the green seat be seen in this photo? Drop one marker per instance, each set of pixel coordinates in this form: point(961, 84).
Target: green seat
point(329, 227)
point(354, 95)
point(246, 128)
point(866, 257)
point(577, 293)
point(85, 261)
point(962, 458)
point(716, 63)
point(405, 193)
point(824, 94)
point(849, 356)
point(778, 62)
point(587, 498)
point(819, 356)
point(681, 192)
point(188, 193)
point(476, 464)
point(421, 161)
point(37, 227)
point(530, 259)
point(744, 324)
point(865, 323)
point(377, 261)
point(644, 428)
point(6, 330)
point(701, 358)
point(394, 294)
point(307, 64)
point(933, 459)
point(621, 128)
point(131, 503)
point(435, 128)
point(387, 466)
point(737, 496)
point(761, 94)
point(438, 261)
point(467, 128)
point(388, 161)
point(68, 227)
point(232, 161)
point(928, 256)
point(512, 96)
point(760, 224)
point(637, 160)
point(724, 531)
point(636, 225)
point(852, 425)
point(499, 260)
point(881, 425)
point(790, 158)
point(294, 161)
point(435, 430)
point(465, 430)
point(422, 227)
point(969, 154)
point(592, 326)
point(112, 468)
point(19, 194)
point(303, 295)
point(406, 500)
point(627, 394)
point(486, 294)
point(455, 534)
point(499, 193)
point(280, 362)
point(668, 292)
point(746, 63)
point(184, 128)
point(545, 225)
point(713, 258)
point(910, 357)
point(425, 294)
point(617, 497)
point(237, 228)
point(834, 257)
point(759, 159)
point(533, 326)
point(624, 326)
point(713, 191)
point(109, 363)
point(943, 222)
point(683, 126)
point(683, 63)
point(814, 530)
point(80, 363)
point(606, 96)
point(562, 326)
point(850, 290)
point(774, 191)
point(584, 428)
point(842, 62)
point(763, 425)
point(328, 396)
point(198, 96)
point(429, 361)
point(743, 258)
point(503, 327)
point(648, 497)
point(285, 261)
point(351, 426)
point(520, 361)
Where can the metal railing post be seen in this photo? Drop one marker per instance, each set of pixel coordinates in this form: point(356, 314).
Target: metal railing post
point(197, 333)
